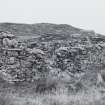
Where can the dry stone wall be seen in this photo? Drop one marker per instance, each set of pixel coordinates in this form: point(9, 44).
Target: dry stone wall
point(17, 60)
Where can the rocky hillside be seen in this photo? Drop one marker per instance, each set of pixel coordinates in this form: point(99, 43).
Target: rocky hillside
point(33, 51)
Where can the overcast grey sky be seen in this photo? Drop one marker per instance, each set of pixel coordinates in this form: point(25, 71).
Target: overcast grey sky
point(86, 14)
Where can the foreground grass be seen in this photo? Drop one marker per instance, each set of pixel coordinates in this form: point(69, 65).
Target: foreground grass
point(91, 97)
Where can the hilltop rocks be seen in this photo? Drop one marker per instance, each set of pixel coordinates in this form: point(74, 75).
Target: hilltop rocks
point(6, 34)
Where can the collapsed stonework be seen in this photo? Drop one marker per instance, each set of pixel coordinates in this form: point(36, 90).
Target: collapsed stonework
point(16, 59)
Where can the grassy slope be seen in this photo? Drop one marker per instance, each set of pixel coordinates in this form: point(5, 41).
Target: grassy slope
point(91, 97)
point(37, 29)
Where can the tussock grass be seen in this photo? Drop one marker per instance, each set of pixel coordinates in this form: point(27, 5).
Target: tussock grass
point(90, 97)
